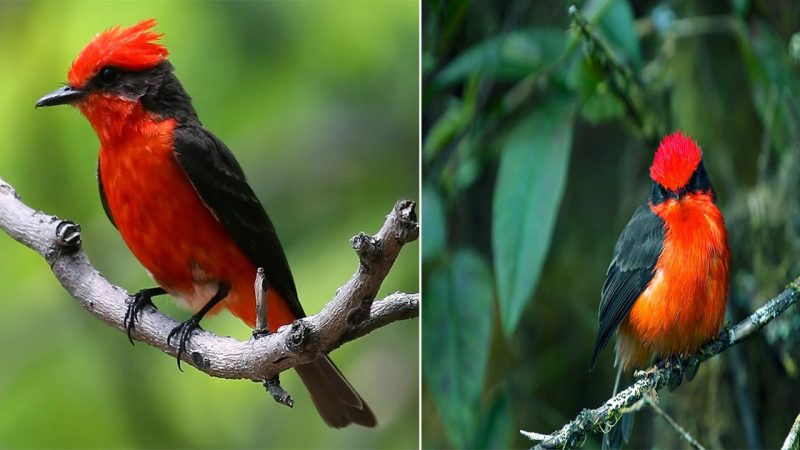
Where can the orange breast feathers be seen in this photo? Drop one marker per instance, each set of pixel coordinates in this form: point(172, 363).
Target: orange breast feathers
point(170, 230)
point(683, 306)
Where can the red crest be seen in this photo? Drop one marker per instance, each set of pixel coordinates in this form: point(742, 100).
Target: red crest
point(134, 48)
point(676, 159)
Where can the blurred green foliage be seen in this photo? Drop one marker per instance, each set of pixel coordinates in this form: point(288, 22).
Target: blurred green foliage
point(538, 130)
point(319, 101)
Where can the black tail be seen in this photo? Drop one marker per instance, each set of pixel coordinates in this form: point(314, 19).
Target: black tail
point(336, 400)
point(621, 432)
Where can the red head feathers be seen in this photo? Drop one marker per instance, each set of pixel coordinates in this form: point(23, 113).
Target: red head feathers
point(133, 48)
point(676, 159)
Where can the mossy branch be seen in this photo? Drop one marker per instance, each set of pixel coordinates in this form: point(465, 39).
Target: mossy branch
point(573, 434)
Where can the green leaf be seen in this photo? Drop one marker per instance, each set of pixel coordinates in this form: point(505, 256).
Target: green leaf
point(453, 121)
point(530, 183)
point(598, 104)
point(496, 428)
point(619, 27)
point(510, 56)
point(457, 318)
point(774, 85)
point(435, 226)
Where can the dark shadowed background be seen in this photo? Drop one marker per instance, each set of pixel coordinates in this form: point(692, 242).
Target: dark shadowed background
point(319, 102)
point(536, 147)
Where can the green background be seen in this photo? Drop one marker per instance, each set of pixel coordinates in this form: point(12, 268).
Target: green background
point(532, 164)
point(319, 101)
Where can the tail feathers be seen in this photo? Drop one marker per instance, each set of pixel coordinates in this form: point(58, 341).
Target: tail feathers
point(621, 432)
point(336, 400)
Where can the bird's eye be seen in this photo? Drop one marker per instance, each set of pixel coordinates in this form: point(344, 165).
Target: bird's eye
point(109, 75)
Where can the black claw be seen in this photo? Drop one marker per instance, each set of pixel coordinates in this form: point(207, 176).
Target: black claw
point(184, 332)
point(136, 305)
point(185, 329)
point(675, 365)
point(690, 370)
point(260, 333)
point(677, 370)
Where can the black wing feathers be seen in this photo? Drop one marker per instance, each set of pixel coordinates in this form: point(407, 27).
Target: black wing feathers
point(632, 268)
point(103, 199)
point(221, 184)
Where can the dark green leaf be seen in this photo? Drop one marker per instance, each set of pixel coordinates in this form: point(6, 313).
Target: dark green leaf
point(496, 427)
point(510, 56)
point(530, 182)
point(598, 104)
point(452, 122)
point(434, 224)
point(774, 85)
point(457, 327)
point(619, 27)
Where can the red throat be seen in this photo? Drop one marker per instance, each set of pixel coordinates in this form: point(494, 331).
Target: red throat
point(115, 119)
point(684, 304)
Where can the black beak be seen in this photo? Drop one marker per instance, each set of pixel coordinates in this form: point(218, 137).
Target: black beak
point(60, 96)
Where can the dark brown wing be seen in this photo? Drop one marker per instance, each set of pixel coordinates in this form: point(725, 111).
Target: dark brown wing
point(632, 268)
point(219, 180)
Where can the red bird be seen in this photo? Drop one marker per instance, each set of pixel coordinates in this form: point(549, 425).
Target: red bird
point(182, 204)
point(667, 286)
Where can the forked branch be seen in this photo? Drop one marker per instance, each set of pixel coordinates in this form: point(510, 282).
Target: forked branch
point(349, 315)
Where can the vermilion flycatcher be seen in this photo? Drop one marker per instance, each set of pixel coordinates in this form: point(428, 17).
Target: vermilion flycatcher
point(181, 201)
point(667, 286)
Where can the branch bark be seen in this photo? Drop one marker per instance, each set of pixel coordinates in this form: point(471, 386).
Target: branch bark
point(349, 315)
point(573, 434)
point(792, 441)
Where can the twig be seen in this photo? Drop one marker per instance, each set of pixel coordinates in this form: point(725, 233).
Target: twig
point(262, 326)
point(679, 429)
point(597, 420)
point(273, 386)
point(621, 79)
point(792, 441)
point(224, 357)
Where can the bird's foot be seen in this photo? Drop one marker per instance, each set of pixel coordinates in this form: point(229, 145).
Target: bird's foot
point(675, 366)
point(690, 368)
point(261, 333)
point(184, 332)
point(135, 305)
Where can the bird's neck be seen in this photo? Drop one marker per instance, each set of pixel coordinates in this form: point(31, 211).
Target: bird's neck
point(118, 122)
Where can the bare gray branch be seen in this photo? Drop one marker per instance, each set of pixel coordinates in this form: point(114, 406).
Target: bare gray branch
point(349, 315)
point(792, 441)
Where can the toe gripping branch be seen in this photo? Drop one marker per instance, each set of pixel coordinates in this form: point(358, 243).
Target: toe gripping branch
point(184, 330)
point(678, 368)
point(136, 304)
